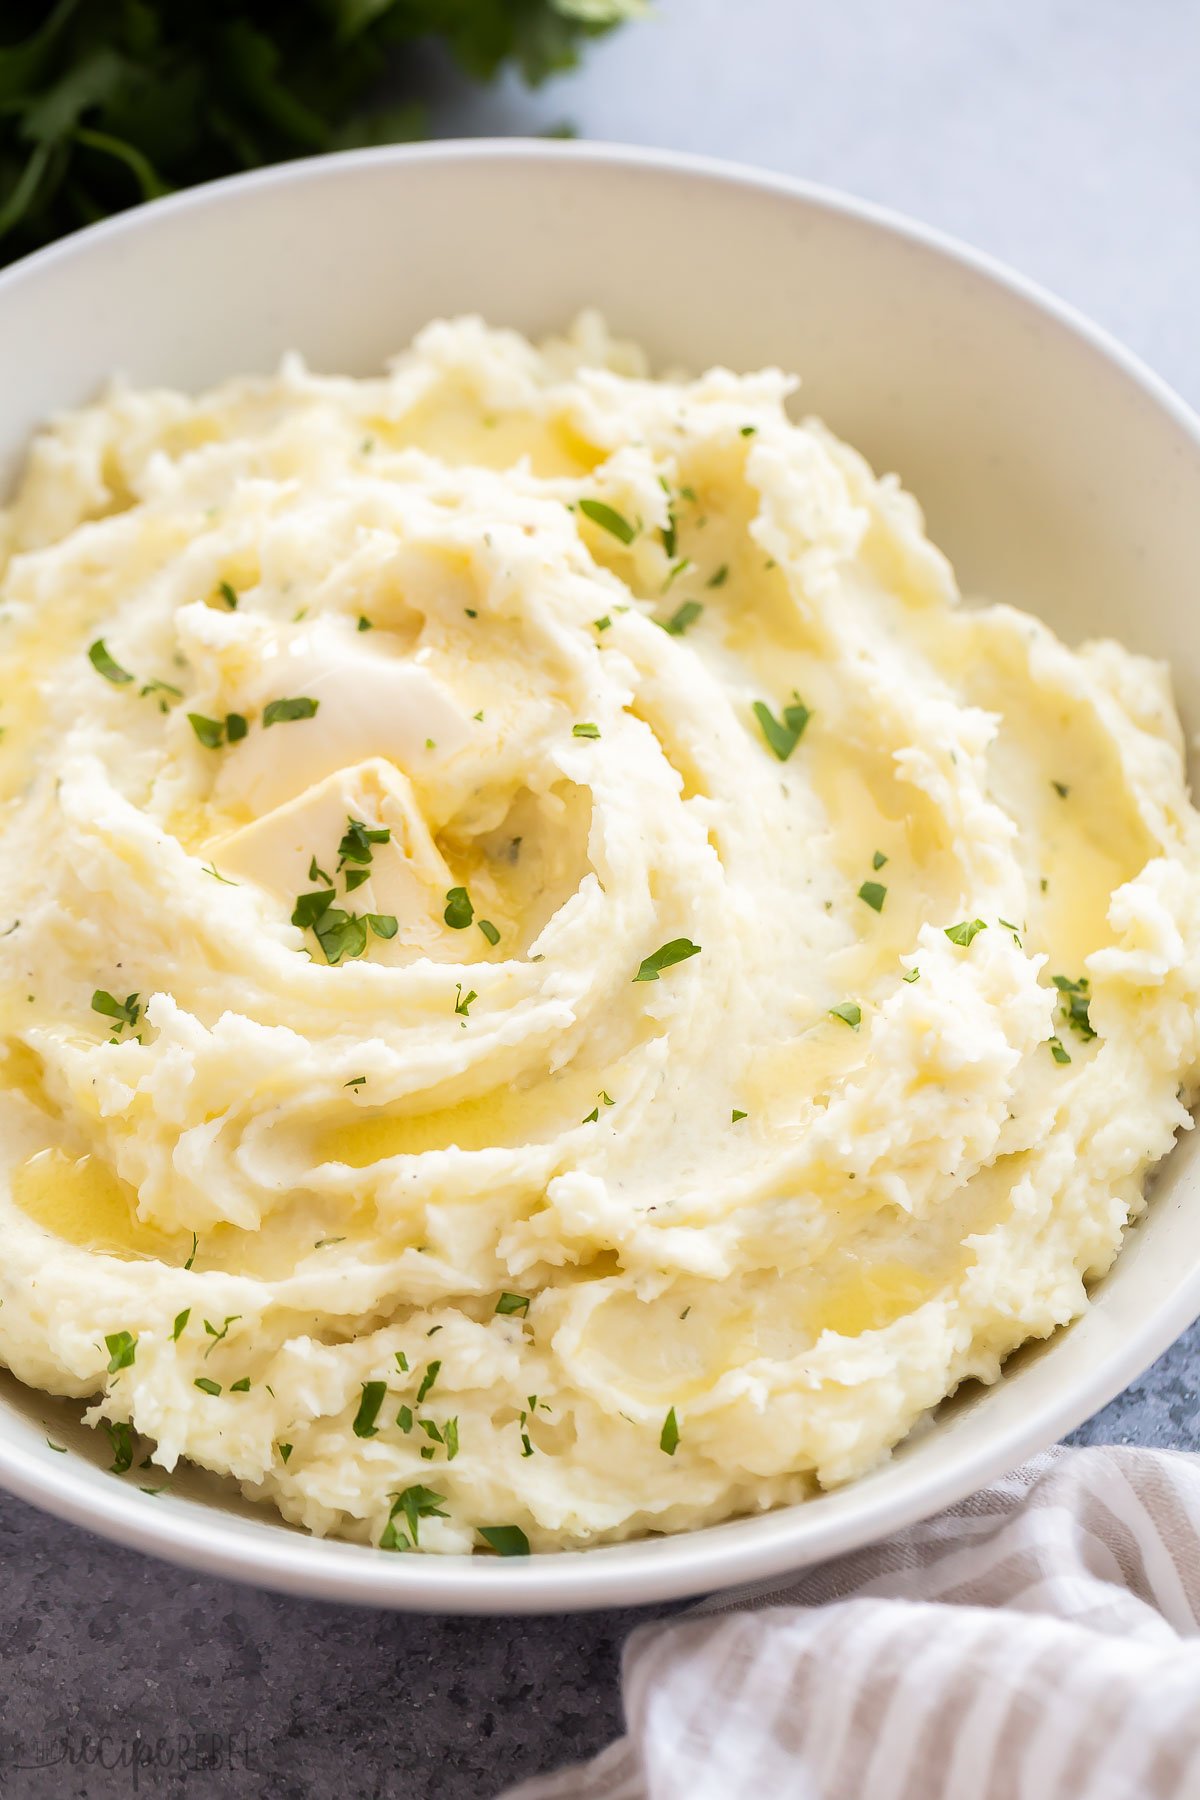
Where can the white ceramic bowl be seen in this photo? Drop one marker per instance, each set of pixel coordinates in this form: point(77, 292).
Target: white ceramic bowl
point(1058, 474)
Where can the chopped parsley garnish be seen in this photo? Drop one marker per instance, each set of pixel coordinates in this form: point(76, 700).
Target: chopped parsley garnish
point(105, 665)
point(340, 934)
point(416, 1503)
point(364, 624)
point(126, 1012)
point(586, 730)
point(683, 616)
point(747, 430)
point(676, 568)
point(669, 1436)
point(309, 907)
point(427, 1380)
point(513, 1303)
point(358, 839)
point(878, 860)
point(216, 1335)
point(120, 1437)
point(368, 1408)
point(737, 1114)
point(210, 869)
point(912, 975)
point(195, 1246)
point(668, 534)
point(677, 951)
point(966, 932)
point(1061, 789)
point(849, 1012)
point(505, 1540)
point(489, 930)
point(241, 1387)
point(874, 893)
point(608, 519)
point(281, 712)
point(604, 624)
point(431, 1430)
point(404, 1419)
point(462, 1004)
point(207, 1385)
point(1074, 998)
point(122, 1349)
point(450, 1435)
point(285, 1451)
point(180, 1324)
point(459, 911)
point(782, 735)
point(212, 733)
point(384, 925)
point(228, 595)
point(591, 1118)
point(719, 577)
point(1057, 1051)
point(355, 1081)
point(402, 1362)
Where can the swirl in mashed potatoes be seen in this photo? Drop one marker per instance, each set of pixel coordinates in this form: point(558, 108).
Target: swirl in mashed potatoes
point(555, 983)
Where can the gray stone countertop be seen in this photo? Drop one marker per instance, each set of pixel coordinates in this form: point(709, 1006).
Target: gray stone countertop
point(1061, 135)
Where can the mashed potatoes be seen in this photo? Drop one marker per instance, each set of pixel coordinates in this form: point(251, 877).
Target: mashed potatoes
point(553, 983)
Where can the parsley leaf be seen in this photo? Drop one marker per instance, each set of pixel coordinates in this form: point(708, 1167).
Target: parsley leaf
point(427, 1380)
point(207, 1385)
point(1074, 999)
point(358, 840)
point(228, 595)
point(677, 951)
point(684, 615)
point(277, 712)
point(126, 1011)
point(120, 1437)
point(782, 736)
point(416, 1503)
point(489, 930)
point(459, 910)
point(180, 1325)
point(669, 1437)
point(505, 1540)
point(340, 934)
point(513, 1303)
point(849, 1012)
point(874, 893)
point(966, 932)
point(586, 730)
point(122, 1350)
point(105, 665)
point(608, 519)
point(368, 1408)
point(211, 732)
point(309, 907)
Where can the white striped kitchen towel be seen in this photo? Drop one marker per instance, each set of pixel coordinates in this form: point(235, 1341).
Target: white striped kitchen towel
point(1039, 1641)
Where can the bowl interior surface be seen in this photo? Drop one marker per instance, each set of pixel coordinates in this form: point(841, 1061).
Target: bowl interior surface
point(1055, 472)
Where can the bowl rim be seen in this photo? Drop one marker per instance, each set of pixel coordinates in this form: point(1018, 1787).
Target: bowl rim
point(637, 1571)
